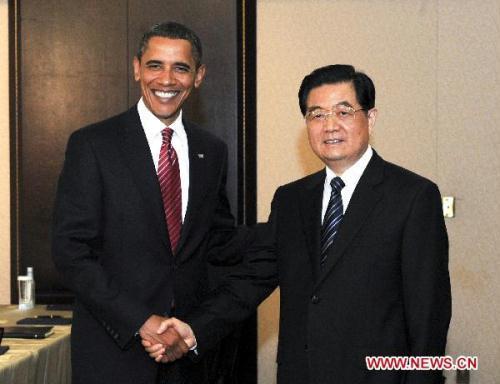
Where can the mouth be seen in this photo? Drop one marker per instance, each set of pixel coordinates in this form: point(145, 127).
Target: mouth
point(165, 95)
point(333, 141)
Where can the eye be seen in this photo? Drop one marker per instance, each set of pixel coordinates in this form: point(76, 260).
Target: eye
point(343, 111)
point(318, 115)
point(182, 69)
point(154, 67)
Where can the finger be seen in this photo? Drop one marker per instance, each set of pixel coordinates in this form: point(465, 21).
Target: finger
point(157, 354)
point(178, 353)
point(172, 354)
point(183, 347)
point(145, 343)
point(164, 325)
point(164, 359)
point(161, 359)
point(155, 348)
point(169, 355)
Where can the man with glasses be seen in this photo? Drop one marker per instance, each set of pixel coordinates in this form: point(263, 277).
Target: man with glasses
point(358, 249)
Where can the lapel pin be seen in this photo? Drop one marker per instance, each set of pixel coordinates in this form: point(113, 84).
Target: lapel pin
point(201, 155)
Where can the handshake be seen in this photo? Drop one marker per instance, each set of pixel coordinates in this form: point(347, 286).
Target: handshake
point(166, 339)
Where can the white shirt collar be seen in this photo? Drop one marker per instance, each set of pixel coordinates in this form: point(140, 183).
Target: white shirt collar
point(350, 178)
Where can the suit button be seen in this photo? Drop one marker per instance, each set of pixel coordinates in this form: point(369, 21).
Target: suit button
point(315, 299)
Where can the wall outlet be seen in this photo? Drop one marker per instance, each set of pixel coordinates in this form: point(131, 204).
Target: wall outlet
point(448, 206)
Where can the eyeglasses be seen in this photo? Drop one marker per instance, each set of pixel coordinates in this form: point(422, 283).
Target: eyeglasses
point(342, 112)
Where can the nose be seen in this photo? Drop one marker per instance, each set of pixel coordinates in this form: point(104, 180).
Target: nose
point(166, 77)
point(331, 122)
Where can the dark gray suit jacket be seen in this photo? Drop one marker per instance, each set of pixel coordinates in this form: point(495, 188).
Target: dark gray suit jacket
point(111, 246)
point(384, 290)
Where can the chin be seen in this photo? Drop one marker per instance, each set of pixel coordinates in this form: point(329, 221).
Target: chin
point(165, 115)
point(333, 157)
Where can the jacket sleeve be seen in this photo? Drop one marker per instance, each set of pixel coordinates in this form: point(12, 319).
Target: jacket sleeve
point(245, 288)
point(77, 243)
point(426, 281)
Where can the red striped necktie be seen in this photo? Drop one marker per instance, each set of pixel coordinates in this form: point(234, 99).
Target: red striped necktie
point(170, 185)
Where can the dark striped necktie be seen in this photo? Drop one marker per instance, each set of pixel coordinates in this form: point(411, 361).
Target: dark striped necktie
point(333, 217)
point(170, 185)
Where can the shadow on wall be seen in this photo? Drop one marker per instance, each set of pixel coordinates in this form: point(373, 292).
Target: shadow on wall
point(308, 161)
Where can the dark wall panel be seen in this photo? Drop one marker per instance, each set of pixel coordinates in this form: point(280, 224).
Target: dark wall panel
point(72, 73)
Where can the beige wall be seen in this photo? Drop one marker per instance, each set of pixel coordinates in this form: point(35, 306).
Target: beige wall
point(438, 115)
point(4, 159)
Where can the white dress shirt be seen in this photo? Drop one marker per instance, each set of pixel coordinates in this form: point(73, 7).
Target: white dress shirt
point(152, 128)
point(350, 177)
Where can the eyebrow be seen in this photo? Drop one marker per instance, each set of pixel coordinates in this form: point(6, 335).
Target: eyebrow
point(149, 62)
point(346, 103)
point(182, 64)
point(177, 63)
point(343, 102)
point(313, 108)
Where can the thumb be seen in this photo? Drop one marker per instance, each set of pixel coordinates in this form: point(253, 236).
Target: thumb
point(164, 325)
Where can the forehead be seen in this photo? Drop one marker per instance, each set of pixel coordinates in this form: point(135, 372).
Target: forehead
point(163, 47)
point(327, 95)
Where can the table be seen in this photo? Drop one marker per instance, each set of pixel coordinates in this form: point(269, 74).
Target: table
point(30, 361)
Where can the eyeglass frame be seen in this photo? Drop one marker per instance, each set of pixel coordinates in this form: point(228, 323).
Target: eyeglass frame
point(331, 112)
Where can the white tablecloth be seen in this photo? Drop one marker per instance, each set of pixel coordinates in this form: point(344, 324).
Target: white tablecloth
point(45, 361)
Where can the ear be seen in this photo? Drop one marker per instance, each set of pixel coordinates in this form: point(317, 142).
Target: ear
point(137, 69)
point(372, 117)
point(200, 75)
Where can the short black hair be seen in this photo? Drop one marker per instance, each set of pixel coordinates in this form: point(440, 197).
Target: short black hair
point(172, 30)
point(334, 74)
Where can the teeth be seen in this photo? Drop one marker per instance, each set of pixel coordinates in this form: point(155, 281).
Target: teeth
point(166, 94)
point(333, 141)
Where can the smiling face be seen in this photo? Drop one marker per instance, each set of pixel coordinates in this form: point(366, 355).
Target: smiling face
point(167, 74)
point(339, 144)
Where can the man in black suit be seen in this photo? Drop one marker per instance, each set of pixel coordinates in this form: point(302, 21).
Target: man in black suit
point(140, 202)
point(359, 251)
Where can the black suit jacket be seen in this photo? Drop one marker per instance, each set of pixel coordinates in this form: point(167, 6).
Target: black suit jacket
point(111, 246)
point(384, 290)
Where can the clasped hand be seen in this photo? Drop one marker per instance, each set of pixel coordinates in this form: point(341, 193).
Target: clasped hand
point(166, 339)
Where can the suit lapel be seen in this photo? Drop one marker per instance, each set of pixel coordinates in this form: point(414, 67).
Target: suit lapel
point(310, 207)
point(363, 201)
point(137, 155)
point(198, 163)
